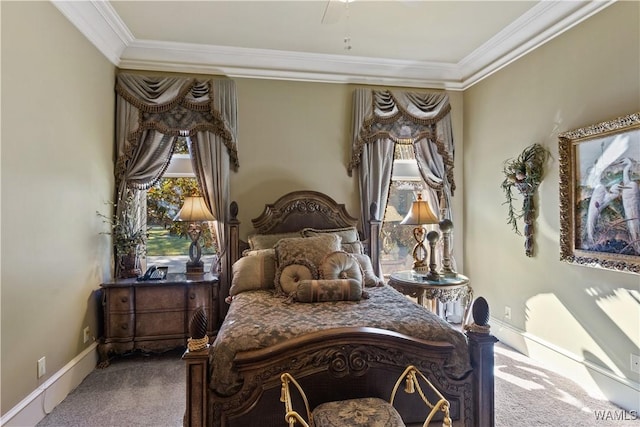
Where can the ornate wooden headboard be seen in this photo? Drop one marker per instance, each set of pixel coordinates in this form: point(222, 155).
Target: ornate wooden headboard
point(297, 210)
point(300, 209)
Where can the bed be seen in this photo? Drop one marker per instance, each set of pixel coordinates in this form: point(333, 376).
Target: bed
point(330, 322)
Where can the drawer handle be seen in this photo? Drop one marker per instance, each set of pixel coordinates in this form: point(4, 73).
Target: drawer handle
point(125, 326)
point(124, 299)
point(192, 295)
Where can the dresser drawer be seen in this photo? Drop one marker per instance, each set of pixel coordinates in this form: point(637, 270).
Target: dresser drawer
point(120, 325)
point(160, 297)
point(198, 296)
point(119, 300)
point(154, 315)
point(155, 324)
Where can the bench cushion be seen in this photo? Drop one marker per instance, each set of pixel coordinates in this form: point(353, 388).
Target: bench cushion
point(369, 412)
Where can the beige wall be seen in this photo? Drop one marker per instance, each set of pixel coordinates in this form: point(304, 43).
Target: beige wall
point(57, 170)
point(292, 136)
point(57, 167)
point(296, 136)
point(587, 75)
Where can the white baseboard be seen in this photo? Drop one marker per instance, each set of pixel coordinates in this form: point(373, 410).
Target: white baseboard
point(33, 408)
point(593, 378)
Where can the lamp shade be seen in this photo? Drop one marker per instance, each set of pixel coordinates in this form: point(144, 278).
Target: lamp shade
point(194, 209)
point(420, 213)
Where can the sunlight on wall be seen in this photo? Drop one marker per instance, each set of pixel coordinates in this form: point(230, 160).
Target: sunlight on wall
point(550, 320)
point(622, 301)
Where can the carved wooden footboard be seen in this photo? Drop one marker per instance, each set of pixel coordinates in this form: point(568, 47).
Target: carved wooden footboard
point(339, 363)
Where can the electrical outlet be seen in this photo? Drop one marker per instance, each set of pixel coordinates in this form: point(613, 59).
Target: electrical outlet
point(42, 367)
point(635, 363)
point(507, 312)
point(86, 334)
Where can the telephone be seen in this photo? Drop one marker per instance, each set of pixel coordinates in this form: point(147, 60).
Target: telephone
point(153, 273)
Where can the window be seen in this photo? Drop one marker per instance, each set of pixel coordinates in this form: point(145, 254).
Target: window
point(397, 240)
point(168, 243)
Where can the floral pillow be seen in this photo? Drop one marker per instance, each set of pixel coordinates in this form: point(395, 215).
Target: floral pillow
point(328, 290)
point(312, 249)
point(268, 241)
point(350, 239)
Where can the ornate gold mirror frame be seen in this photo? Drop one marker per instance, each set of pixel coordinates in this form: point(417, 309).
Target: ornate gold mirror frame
point(600, 195)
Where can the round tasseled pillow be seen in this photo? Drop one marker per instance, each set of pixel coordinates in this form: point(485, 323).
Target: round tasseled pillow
point(294, 272)
point(340, 265)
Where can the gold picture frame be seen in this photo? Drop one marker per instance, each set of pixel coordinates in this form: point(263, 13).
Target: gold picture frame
point(600, 196)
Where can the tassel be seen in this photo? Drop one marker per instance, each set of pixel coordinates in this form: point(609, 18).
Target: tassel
point(410, 387)
point(283, 394)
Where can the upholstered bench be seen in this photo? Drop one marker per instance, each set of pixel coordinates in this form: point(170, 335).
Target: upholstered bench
point(366, 411)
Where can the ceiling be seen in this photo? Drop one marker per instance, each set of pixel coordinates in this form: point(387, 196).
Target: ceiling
point(438, 44)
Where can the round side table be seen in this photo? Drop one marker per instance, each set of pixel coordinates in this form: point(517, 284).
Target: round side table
point(429, 292)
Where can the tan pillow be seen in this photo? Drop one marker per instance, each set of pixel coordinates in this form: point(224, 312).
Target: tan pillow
point(293, 274)
point(353, 247)
point(347, 234)
point(312, 249)
point(370, 278)
point(254, 252)
point(328, 290)
point(267, 241)
point(340, 265)
point(253, 272)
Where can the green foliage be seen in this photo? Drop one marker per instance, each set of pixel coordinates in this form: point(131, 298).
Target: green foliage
point(127, 236)
point(164, 200)
point(525, 173)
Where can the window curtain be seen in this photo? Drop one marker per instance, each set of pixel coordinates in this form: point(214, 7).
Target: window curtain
point(383, 118)
point(151, 112)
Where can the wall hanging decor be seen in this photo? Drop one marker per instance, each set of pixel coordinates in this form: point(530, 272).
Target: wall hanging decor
point(600, 196)
point(524, 173)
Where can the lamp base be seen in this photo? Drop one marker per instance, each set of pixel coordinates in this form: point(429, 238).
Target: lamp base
point(421, 269)
point(195, 268)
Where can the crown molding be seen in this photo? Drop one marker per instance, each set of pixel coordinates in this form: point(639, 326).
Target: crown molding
point(101, 25)
point(283, 65)
point(540, 24)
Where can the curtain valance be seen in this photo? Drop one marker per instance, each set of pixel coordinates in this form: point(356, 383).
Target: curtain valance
point(400, 116)
point(153, 110)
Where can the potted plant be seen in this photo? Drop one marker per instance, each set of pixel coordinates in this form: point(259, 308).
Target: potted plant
point(128, 238)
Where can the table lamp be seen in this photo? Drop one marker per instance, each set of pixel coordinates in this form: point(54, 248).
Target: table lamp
point(195, 211)
point(419, 215)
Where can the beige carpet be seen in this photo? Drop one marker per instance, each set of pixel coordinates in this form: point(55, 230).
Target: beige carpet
point(149, 391)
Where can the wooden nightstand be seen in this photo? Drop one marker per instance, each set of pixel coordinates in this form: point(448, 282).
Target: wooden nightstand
point(430, 292)
point(155, 315)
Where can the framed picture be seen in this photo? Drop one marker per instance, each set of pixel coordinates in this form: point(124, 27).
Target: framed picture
point(600, 195)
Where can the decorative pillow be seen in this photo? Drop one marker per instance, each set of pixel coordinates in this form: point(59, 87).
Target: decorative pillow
point(253, 272)
point(367, 411)
point(292, 274)
point(347, 234)
point(328, 290)
point(254, 252)
point(311, 249)
point(340, 265)
point(353, 247)
point(370, 278)
point(267, 241)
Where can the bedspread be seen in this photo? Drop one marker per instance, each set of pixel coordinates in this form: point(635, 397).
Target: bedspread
point(258, 319)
